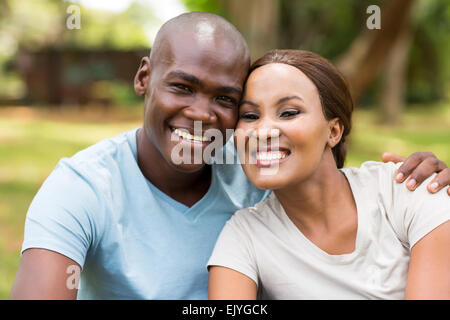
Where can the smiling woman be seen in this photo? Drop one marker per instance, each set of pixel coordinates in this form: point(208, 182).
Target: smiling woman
point(325, 232)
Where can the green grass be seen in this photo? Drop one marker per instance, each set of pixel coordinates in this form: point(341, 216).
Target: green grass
point(30, 147)
point(32, 143)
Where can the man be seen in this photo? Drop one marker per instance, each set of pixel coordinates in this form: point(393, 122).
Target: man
point(139, 224)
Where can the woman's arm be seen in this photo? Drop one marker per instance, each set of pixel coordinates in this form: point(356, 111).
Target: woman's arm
point(429, 266)
point(228, 284)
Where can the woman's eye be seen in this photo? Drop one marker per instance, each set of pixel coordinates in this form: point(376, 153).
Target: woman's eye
point(249, 116)
point(289, 113)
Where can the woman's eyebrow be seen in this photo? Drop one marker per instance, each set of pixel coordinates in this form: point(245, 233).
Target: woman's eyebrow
point(249, 102)
point(284, 99)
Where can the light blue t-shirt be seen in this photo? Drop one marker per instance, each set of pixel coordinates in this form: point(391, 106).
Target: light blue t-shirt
point(132, 240)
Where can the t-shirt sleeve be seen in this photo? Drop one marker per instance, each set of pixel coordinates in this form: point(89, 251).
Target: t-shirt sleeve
point(60, 216)
point(414, 213)
point(234, 249)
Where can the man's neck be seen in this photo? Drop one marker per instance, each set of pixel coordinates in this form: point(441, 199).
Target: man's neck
point(185, 187)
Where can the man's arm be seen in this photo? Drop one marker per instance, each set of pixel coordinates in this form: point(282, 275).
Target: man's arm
point(418, 167)
point(45, 274)
point(429, 266)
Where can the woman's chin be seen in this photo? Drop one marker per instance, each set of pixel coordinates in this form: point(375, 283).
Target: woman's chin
point(267, 183)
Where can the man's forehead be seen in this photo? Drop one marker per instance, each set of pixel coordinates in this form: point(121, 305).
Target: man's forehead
point(188, 47)
point(204, 32)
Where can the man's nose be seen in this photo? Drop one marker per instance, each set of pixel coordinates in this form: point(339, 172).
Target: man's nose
point(201, 110)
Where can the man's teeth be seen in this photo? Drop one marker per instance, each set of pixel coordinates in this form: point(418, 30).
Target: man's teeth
point(270, 155)
point(188, 136)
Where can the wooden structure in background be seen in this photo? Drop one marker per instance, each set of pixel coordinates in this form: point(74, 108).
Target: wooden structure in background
point(79, 77)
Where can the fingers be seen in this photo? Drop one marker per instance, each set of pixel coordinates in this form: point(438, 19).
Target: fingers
point(408, 166)
point(441, 180)
point(422, 171)
point(387, 157)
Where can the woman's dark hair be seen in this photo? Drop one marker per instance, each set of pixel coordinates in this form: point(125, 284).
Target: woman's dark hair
point(333, 90)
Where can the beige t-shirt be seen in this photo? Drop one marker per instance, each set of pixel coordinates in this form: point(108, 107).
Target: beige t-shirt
point(265, 245)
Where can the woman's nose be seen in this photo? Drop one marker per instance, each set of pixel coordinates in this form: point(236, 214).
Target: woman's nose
point(265, 135)
point(265, 129)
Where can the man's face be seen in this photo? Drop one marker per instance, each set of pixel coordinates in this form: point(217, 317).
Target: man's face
point(195, 80)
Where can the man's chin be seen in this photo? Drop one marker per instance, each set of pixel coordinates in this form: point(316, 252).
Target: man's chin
point(188, 167)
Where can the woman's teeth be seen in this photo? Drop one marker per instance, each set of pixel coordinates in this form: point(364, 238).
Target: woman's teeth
point(270, 155)
point(188, 136)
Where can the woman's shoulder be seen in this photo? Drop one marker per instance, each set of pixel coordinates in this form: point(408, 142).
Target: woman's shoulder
point(261, 212)
point(411, 213)
point(373, 176)
point(373, 168)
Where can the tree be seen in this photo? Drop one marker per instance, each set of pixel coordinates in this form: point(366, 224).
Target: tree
point(394, 77)
point(361, 63)
point(257, 20)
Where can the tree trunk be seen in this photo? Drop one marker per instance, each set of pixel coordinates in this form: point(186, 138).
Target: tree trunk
point(257, 20)
point(361, 63)
point(393, 87)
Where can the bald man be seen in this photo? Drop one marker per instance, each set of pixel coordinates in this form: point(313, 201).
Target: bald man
point(123, 219)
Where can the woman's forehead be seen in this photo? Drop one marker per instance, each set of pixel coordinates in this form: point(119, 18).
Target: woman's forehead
point(278, 78)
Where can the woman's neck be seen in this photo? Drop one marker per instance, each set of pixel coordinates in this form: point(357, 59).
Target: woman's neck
point(322, 201)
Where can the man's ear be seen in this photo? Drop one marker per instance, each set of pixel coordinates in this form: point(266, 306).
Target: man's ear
point(142, 78)
point(336, 130)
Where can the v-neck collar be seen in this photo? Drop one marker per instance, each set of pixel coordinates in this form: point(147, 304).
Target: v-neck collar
point(190, 213)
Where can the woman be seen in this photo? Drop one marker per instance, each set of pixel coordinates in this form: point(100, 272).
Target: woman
point(325, 232)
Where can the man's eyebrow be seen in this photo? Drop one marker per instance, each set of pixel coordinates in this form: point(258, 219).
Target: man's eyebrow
point(193, 79)
point(235, 90)
point(185, 76)
point(284, 99)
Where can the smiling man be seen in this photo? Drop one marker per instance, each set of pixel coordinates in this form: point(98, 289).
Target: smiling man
point(139, 224)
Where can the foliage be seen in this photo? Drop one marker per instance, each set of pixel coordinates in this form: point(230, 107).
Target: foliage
point(329, 28)
point(33, 25)
point(429, 66)
point(213, 6)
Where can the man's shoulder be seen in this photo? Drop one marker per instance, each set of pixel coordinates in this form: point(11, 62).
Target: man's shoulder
point(104, 150)
point(105, 157)
point(93, 171)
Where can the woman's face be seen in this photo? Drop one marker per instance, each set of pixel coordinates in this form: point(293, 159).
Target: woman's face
point(281, 102)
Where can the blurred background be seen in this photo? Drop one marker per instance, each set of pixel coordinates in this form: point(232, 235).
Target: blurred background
point(67, 69)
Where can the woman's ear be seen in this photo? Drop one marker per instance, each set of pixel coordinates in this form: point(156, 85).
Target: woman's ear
point(142, 78)
point(336, 131)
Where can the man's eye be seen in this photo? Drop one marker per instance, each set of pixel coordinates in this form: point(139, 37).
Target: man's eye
point(182, 87)
point(249, 116)
point(289, 113)
point(226, 99)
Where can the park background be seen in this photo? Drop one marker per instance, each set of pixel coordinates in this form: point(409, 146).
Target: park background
point(63, 88)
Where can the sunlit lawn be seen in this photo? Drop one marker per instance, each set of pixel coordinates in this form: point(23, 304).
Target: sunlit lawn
point(32, 143)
